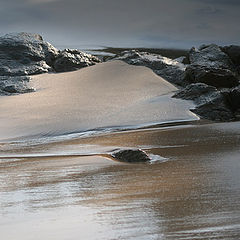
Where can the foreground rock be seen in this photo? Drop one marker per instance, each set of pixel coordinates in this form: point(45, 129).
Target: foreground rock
point(24, 54)
point(131, 156)
point(171, 70)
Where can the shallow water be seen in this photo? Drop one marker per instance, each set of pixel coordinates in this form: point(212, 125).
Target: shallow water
point(192, 193)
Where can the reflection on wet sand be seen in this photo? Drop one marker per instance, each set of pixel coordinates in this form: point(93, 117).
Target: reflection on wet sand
point(193, 195)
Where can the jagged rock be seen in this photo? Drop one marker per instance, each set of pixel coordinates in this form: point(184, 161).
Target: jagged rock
point(212, 103)
point(210, 56)
point(217, 109)
point(217, 77)
point(70, 59)
point(233, 52)
point(25, 54)
point(171, 70)
point(210, 65)
point(131, 156)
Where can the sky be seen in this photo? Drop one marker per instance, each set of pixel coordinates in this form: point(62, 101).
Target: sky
point(125, 23)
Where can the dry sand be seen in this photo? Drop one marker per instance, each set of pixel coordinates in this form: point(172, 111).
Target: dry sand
point(105, 95)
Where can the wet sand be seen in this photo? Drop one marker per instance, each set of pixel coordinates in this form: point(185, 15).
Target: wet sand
point(56, 185)
point(192, 193)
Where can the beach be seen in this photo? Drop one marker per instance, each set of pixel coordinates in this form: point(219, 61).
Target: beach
point(58, 180)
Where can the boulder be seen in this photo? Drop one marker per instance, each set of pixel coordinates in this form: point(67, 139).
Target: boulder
point(171, 70)
point(131, 156)
point(210, 65)
point(233, 52)
point(70, 60)
point(25, 54)
point(217, 109)
point(210, 56)
point(217, 77)
point(196, 92)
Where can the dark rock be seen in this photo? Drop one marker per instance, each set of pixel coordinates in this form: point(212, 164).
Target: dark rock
point(10, 89)
point(233, 52)
point(217, 77)
point(210, 103)
point(210, 65)
point(234, 98)
point(195, 91)
point(217, 110)
point(70, 60)
point(210, 56)
point(131, 156)
point(171, 70)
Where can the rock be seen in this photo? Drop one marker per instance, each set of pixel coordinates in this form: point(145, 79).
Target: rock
point(17, 84)
point(210, 65)
point(70, 60)
point(25, 54)
point(171, 70)
point(195, 91)
point(211, 103)
point(217, 77)
point(233, 52)
point(217, 110)
point(131, 156)
point(183, 59)
point(234, 98)
point(210, 56)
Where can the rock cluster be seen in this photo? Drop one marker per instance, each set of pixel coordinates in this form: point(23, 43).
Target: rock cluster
point(23, 54)
point(213, 77)
point(209, 76)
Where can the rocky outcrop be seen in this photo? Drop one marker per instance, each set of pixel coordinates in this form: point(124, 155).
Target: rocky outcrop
point(171, 70)
point(131, 156)
point(23, 54)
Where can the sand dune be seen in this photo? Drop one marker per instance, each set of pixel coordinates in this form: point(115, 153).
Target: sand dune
point(105, 95)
